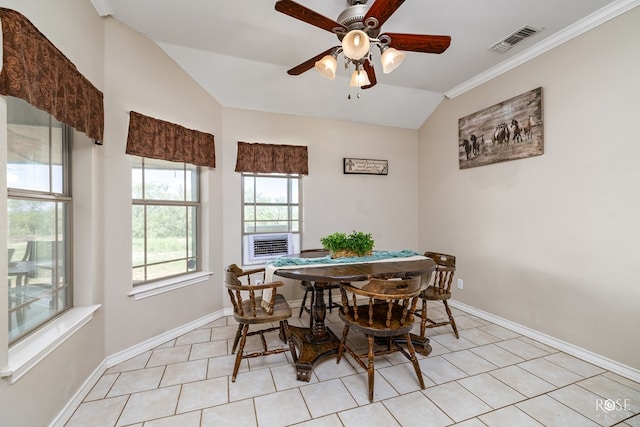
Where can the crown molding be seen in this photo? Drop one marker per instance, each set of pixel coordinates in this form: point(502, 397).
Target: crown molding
point(103, 7)
point(597, 18)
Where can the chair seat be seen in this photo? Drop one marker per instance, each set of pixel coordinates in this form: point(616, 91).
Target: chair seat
point(281, 310)
point(435, 293)
point(387, 314)
point(378, 327)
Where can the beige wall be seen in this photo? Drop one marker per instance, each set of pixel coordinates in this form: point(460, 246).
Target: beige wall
point(140, 77)
point(135, 75)
point(75, 28)
point(386, 206)
point(550, 242)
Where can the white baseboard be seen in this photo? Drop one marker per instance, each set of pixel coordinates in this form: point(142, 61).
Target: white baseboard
point(113, 360)
point(127, 354)
point(586, 355)
point(63, 416)
point(154, 342)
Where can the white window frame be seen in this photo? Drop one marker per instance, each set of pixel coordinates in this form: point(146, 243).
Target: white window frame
point(58, 251)
point(294, 226)
point(191, 275)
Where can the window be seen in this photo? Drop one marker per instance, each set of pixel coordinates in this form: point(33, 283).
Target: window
point(166, 204)
point(38, 217)
point(271, 216)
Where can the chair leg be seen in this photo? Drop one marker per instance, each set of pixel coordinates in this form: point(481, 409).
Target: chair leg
point(284, 325)
point(453, 322)
point(237, 338)
point(243, 340)
point(304, 302)
point(331, 303)
point(423, 318)
point(343, 341)
point(414, 360)
point(370, 368)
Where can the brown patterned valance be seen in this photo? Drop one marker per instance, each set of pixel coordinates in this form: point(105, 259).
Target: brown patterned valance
point(272, 158)
point(34, 70)
point(157, 139)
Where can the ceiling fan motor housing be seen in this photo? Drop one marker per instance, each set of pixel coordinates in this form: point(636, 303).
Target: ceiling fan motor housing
point(353, 19)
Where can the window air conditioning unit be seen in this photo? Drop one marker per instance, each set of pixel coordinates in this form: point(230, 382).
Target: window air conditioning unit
point(260, 248)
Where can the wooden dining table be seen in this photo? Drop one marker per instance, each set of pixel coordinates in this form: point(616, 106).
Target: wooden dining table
point(318, 341)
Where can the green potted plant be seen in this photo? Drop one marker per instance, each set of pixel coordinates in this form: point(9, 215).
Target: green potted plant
point(342, 245)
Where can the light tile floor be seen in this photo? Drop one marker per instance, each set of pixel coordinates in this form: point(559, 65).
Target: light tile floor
point(491, 376)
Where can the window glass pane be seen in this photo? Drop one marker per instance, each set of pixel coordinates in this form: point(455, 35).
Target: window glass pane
point(166, 233)
point(191, 183)
point(34, 148)
point(38, 279)
point(159, 271)
point(272, 212)
point(57, 157)
point(249, 189)
point(271, 190)
point(62, 270)
point(163, 180)
point(136, 177)
point(138, 274)
point(272, 226)
point(192, 218)
point(249, 212)
point(249, 227)
point(137, 230)
point(294, 191)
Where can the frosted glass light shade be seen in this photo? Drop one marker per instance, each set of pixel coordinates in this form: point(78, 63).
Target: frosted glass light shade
point(390, 59)
point(327, 66)
point(355, 44)
point(359, 78)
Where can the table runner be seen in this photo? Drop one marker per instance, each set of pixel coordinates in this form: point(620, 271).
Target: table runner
point(293, 262)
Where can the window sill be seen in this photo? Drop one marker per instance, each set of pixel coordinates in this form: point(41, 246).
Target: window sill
point(27, 353)
point(168, 285)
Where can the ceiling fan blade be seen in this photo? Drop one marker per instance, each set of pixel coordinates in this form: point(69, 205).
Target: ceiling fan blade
point(309, 63)
point(381, 10)
point(371, 73)
point(307, 15)
point(419, 42)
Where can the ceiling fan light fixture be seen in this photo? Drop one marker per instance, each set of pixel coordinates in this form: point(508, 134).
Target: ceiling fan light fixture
point(327, 66)
point(391, 58)
point(355, 44)
point(359, 78)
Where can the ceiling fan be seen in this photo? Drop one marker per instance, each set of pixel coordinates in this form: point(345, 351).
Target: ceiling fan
point(358, 28)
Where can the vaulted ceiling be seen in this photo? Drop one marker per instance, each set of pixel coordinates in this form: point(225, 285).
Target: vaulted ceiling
point(240, 51)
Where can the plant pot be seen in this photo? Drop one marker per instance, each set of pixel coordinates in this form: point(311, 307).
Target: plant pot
point(347, 254)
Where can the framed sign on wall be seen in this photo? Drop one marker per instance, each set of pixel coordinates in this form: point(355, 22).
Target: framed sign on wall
point(365, 166)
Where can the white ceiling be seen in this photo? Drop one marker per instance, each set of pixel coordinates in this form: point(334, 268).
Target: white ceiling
point(240, 51)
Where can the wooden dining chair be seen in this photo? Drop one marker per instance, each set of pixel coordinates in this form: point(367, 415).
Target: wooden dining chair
point(309, 292)
point(439, 290)
point(248, 310)
point(385, 311)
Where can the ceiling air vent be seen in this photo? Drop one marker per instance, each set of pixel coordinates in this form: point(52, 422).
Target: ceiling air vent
point(514, 38)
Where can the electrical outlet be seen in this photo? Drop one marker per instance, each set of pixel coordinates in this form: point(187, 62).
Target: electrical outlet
point(460, 284)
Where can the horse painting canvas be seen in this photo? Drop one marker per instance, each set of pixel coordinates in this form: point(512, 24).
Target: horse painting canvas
point(509, 130)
